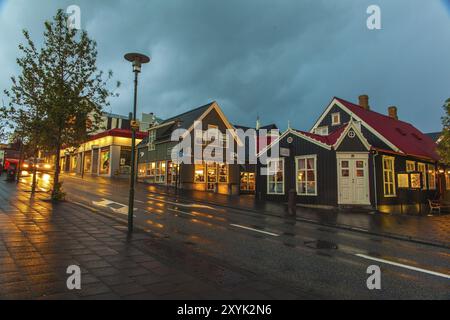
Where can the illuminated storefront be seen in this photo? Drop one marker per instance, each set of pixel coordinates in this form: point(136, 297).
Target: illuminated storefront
point(106, 154)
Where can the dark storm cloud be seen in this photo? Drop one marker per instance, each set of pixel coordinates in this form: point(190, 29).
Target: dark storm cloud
point(283, 60)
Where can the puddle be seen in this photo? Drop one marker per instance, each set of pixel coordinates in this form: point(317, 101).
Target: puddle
point(321, 244)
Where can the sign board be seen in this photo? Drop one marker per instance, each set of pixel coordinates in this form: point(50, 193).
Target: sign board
point(285, 152)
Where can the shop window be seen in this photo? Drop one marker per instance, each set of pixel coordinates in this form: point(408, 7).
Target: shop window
point(160, 173)
point(87, 161)
point(223, 173)
point(275, 177)
point(248, 181)
point(142, 169)
point(423, 170)
point(389, 176)
point(105, 160)
point(431, 177)
point(199, 173)
point(125, 160)
point(306, 167)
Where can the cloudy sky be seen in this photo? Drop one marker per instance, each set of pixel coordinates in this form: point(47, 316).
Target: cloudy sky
point(281, 59)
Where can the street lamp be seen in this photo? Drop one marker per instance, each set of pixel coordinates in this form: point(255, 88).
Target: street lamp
point(137, 60)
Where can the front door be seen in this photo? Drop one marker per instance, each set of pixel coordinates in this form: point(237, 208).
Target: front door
point(353, 179)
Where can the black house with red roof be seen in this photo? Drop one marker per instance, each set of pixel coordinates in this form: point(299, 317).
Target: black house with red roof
point(353, 156)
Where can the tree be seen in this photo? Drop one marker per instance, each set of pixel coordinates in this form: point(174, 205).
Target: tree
point(444, 143)
point(71, 90)
point(25, 114)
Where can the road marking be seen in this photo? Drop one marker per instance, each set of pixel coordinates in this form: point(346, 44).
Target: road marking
point(183, 212)
point(189, 205)
point(256, 230)
point(105, 203)
point(404, 266)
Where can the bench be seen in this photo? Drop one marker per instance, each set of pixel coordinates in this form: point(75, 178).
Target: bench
point(438, 205)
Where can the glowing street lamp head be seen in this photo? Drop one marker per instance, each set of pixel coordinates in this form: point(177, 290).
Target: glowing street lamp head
point(137, 59)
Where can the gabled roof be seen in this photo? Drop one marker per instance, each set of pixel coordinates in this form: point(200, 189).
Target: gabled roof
point(403, 135)
point(330, 139)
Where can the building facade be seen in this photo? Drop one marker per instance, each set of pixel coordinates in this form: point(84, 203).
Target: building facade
point(354, 157)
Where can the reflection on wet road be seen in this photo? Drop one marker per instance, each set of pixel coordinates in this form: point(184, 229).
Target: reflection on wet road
point(316, 258)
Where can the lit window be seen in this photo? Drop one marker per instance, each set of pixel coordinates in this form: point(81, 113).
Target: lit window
point(410, 166)
point(389, 176)
point(151, 140)
point(199, 174)
point(160, 172)
point(323, 131)
point(447, 180)
point(423, 170)
point(432, 177)
point(223, 173)
point(306, 167)
point(275, 177)
point(142, 169)
point(336, 119)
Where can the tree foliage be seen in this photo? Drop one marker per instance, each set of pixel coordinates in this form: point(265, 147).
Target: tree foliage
point(58, 98)
point(444, 142)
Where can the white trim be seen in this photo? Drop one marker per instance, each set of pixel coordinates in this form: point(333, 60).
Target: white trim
point(394, 189)
point(215, 106)
point(306, 157)
point(351, 125)
point(162, 125)
point(424, 174)
point(352, 115)
point(321, 131)
point(296, 133)
point(352, 156)
point(433, 169)
point(268, 176)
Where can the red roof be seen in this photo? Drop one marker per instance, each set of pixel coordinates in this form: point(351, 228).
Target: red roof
point(403, 135)
point(118, 133)
point(330, 139)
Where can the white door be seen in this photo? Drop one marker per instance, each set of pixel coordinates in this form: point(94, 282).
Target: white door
point(353, 179)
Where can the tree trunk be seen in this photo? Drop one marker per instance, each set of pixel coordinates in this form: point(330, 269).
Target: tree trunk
point(33, 184)
point(57, 170)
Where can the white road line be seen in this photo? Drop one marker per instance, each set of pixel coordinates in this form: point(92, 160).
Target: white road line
point(256, 230)
point(190, 205)
point(183, 212)
point(404, 266)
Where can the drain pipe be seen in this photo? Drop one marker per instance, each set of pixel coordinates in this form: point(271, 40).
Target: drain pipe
point(375, 193)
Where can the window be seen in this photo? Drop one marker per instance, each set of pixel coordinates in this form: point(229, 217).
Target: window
point(275, 177)
point(336, 119)
point(423, 170)
point(306, 167)
point(142, 169)
point(410, 166)
point(151, 140)
point(432, 177)
point(199, 173)
point(87, 161)
point(323, 131)
point(160, 172)
point(104, 160)
point(389, 176)
point(223, 173)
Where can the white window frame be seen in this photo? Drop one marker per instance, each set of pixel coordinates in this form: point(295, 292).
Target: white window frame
point(431, 176)
point(424, 174)
point(203, 165)
point(269, 161)
point(409, 162)
point(219, 176)
point(336, 123)
point(151, 140)
point(297, 169)
point(385, 171)
point(320, 129)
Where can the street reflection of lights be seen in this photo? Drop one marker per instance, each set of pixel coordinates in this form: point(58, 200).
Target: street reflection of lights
point(24, 173)
point(46, 177)
point(155, 224)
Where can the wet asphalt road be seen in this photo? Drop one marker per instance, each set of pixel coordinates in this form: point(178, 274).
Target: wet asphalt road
point(320, 262)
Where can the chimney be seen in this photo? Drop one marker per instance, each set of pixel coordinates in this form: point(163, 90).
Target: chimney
point(364, 101)
point(392, 112)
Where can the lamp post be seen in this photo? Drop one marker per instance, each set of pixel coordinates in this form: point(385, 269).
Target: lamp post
point(137, 60)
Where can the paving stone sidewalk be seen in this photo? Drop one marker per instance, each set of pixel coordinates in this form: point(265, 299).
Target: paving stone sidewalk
point(39, 240)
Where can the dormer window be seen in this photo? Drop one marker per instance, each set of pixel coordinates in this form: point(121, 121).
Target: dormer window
point(322, 131)
point(336, 119)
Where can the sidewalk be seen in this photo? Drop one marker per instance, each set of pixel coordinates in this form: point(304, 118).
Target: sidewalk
point(39, 240)
point(433, 230)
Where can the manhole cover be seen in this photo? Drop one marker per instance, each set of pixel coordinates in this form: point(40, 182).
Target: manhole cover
point(321, 244)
